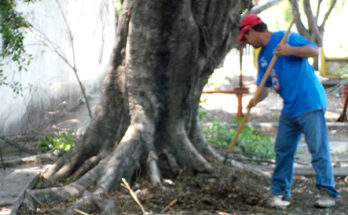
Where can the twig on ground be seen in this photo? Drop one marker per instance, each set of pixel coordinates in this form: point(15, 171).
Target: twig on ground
point(126, 185)
point(80, 212)
point(169, 205)
point(33, 198)
point(18, 143)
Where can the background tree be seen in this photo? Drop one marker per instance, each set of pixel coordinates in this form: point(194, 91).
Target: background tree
point(316, 20)
point(147, 118)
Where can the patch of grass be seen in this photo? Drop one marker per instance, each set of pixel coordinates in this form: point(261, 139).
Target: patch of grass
point(251, 142)
point(254, 143)
point(217, 133)
point(58, 143)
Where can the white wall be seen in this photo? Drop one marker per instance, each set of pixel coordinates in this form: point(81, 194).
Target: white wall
point(92, 24)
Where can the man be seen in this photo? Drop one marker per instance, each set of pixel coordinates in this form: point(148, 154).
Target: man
point(304, 104)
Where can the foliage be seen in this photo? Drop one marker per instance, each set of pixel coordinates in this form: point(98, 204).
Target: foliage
point(12, 41)
point(118, 6)
point(217, 133)
point(251, 142)
point(202, 113)
point(58, 143)
point(343, 72)
point(254, 143)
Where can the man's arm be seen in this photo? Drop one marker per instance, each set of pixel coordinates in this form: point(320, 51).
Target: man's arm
point(262, 96)
point(300, 51)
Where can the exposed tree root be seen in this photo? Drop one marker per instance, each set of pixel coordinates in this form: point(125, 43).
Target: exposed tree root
point(185, 152)
point(172, 163)
point(127, 155)
point(88, 202)
point(87, 165)
point(200, 143)
point(72, 190)
point(57, 194)
point(153, 170)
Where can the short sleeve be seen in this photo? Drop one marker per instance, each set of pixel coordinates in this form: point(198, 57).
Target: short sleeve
point(295, 39)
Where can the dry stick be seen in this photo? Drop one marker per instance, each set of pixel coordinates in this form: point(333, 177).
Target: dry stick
point(126, 185)
point(169, 205)
point(49, 44)
point(258, 92)
point(80, 212)
point(83, 91)
point(33, 198)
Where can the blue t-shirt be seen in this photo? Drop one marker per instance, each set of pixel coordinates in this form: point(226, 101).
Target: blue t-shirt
point(292, 77)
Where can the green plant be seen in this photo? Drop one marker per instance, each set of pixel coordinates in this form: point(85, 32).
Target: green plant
point(342, 72)
point(59, 143)
point(251, 142)
point(179, 186)
point(12, 41)
point(118, 6)
point(202, 113)
point(217, 133)
point(254, 143)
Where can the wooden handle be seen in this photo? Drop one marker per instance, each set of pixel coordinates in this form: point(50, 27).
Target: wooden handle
point(258, 91)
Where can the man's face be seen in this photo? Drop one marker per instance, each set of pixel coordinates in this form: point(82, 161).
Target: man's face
point(252, 39)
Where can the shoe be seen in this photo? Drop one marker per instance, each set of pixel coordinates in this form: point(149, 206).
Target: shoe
point(325, 200)
point(276, 201)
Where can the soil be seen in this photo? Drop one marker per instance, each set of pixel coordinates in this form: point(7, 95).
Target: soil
point(229, 190)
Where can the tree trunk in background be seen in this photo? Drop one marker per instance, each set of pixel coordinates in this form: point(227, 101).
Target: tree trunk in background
point(315, 29)
point(147, 119)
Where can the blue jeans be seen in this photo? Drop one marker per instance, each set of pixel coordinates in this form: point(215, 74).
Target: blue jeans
point(313, 126)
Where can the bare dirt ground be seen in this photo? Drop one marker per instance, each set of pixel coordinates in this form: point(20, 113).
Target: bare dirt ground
point(229, 190)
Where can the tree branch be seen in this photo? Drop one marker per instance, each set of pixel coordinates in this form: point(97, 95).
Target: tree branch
point(333, 3)
point(83, 91)
point(259, 8)
point(318, 9)
point(296, 14)
point(312, 24)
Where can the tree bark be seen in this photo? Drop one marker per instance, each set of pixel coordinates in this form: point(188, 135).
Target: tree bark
point(147, 120)
point(315, 30)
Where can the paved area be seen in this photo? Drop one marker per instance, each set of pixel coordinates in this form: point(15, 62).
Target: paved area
point(13, 183)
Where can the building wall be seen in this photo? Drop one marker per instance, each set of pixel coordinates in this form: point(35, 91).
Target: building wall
point(51, 85)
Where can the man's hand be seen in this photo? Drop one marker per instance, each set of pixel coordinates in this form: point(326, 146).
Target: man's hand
point(252, 103)
point(283, 50)
point(300, 51)
point(256, 99)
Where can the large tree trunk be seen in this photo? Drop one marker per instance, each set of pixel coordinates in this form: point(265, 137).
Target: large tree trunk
point(147, 118)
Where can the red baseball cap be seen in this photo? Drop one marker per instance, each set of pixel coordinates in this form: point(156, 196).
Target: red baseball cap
point(248, 22)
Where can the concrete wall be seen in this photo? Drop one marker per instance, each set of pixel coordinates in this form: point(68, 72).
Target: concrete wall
point(54, 87)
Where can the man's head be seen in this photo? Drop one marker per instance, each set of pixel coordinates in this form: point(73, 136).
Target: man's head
point(249, 27)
